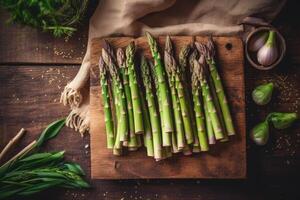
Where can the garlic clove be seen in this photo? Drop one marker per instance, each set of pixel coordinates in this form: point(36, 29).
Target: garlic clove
point(268, 54)
point(257, 41)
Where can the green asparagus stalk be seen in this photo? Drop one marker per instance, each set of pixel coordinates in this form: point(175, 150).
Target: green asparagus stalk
point(116, 105)
point(147, 136)
point(214, 95)
point(109, 49)
point(218, 109)
point(176, 74)
point(148, 139)
point(196, 145)
point(156, 86)
point(209, 53)
point(170, 66)
point(153, 110)
point(134, 88)
point(106, 101)
point(132, 141)
point(163, 91)
point(112, 88)
point(166, 150)
point(209, 128)
point(198, 107)
point(122, 130)
point(183, 63)
point(207, 97)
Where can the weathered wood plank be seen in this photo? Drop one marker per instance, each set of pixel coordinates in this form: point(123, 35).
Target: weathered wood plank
point(29, 98)
point(22, 44)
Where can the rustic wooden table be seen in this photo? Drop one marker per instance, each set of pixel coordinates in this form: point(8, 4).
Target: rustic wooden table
point(34, 68)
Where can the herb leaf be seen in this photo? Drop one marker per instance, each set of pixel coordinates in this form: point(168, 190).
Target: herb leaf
point(50, 132)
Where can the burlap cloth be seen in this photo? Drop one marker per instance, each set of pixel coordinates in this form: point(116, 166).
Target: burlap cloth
point(159, 17)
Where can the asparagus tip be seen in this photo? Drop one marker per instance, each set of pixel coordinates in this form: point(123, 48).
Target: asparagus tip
point(130, 49)
point(120, 57)
point(210, 48)
point(201, 48)
point(152, 43)
point(168, 45)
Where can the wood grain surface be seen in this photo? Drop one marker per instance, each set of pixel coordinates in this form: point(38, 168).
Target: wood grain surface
point(33, 46)
point(272, 170)
point(220, 162)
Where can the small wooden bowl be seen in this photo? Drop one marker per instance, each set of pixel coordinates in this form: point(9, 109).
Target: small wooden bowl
point(252, 56)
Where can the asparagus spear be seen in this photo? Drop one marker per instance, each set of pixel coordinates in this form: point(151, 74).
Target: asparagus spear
point(198, 107)
point(166, 150)
point(201, 48)
point(148, 139)
point(163, 92)
point(182, 96)
point(147, 136)
point(153, 110)
point(183, 59)
point(124, 73)
point(122, 130)
point(209, 53)
point(199, 68)
point(209, 128)
point(106, 101)
point(170, 66)
point(136, 101)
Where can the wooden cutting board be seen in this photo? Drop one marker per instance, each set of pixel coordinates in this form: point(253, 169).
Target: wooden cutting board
point(224, 160)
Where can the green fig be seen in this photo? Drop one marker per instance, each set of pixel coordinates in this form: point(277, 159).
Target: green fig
point(282, 120)
point(260, 133)
point(262, 94)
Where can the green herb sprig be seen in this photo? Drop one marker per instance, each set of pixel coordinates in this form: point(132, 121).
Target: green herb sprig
point(28, 172)
point(60, 17)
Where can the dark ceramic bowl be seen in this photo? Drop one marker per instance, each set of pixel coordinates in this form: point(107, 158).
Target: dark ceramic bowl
point(252, 56)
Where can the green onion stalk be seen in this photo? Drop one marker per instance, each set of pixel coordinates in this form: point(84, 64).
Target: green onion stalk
point(152, 108)
point(163, 92)
point(134, 88)
point(209, 52)
point(109, 125)
point(122, 127)
point(207, 97)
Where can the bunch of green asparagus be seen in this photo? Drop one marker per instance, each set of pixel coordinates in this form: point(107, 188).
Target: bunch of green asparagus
point(166, 105)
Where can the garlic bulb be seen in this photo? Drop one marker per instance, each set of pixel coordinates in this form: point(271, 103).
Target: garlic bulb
point(258, 41)
point(268, 54)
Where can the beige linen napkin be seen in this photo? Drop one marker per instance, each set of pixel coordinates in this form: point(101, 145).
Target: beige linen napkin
point(159, 17)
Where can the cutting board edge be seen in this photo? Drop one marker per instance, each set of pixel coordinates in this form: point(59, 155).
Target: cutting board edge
point(243, 175)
